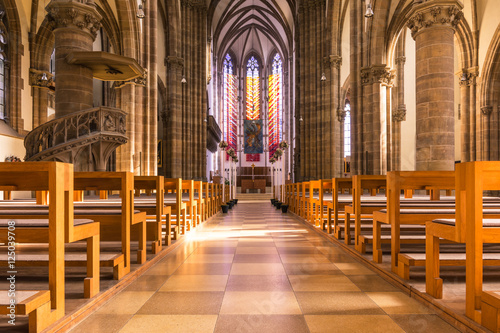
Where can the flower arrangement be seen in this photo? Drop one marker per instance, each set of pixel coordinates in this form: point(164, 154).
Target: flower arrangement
point(278, 153)
point(231, 152)
point(283, 145)
point(235, 159)
point(12, 158)
point(272, 160)
point(223, 145)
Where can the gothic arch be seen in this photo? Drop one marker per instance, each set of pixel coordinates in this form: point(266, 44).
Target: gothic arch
point(491, 72)
point(14, 51)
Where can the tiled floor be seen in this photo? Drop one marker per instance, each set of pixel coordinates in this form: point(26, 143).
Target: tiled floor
point(258, 270)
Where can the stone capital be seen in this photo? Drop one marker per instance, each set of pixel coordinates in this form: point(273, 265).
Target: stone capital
point(340, 115)
point(35, 79)
point(174, 63)
point(377, 74)
point(399, 115)
point(486, 110)
point(310, 4)
point(74, 15)
point(433, 13)
point(467, 78)
point(195, 4)
point(333, 61)
point(400, 60)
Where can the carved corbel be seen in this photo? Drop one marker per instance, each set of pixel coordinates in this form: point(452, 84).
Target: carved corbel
point(399, 115)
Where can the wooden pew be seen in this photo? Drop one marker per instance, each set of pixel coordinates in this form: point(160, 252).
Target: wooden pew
point(214, 199)
point(217, 190)
point(200, 202)
point(302, 202)
point(33, 303)
point(173, 199)
point(57, 179)
point(320, 201)
point(293, 198)
point(472, 227)
point(417, 212)
point(490, 310)
point(126, 218)
point(339, 185)
point(158, 211)
point(287, 194)
point(359, 184)
point(207, 202)
point(188, 190)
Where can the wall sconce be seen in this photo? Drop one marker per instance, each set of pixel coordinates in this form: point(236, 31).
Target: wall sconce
point(369, 10)
point(44, 77)
point(323, 77)
point(183, 81)
point(140, 12)
point(301, 119)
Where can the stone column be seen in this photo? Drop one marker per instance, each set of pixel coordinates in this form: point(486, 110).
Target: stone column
point(76, 26)
point(433, 25)
point(485, 132)
point(466, 81)
point(333, 150)
point(399, 114)
point(173, 169)
point(153, 88)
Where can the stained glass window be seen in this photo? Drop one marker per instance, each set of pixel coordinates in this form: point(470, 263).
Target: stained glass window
point(3, 58)
point(347, 130)
point(275, 105)
point(253, 90)
point(230, 112)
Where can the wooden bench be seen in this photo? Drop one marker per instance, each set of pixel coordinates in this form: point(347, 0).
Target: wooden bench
point(339, 185)
point(295, 197)
point(410, 211)
point(207, 202)
point(158, 211)
point(173, 199)
point(214, 199)
point(471, 226)
point(198, 196)
point(218, 195)
point(115, 224)
point(302, 200)
point(319, 198)
point(490, 310)
point(32, 303)
point(57, 179)
point(359, 184)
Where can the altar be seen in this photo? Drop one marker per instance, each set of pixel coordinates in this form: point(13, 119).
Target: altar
point(253, 184)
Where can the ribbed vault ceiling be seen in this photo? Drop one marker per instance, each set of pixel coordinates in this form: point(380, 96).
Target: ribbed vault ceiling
point(251, 26)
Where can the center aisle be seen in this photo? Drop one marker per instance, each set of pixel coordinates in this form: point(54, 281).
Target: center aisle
point(258, 270)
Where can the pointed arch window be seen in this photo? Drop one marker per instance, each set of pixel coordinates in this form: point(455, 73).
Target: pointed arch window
point(253, 89)
point(347, 130)
point(229, 103)
point(275, 104)
point(3, 61)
